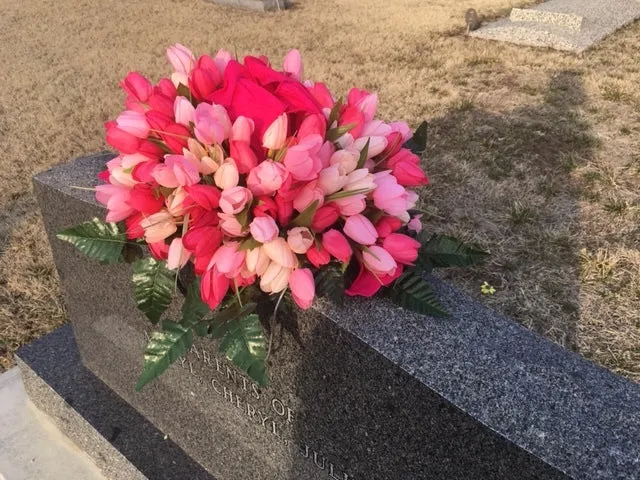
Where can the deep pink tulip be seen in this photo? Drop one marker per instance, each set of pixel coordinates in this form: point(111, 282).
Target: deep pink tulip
point(318, 257)
point(137, 86)
point(303, 287)
point(175, 136)
point(244, 155)
point(322, 95)
point(213, 287)
point(405, 166)
point(314, 124)
point(325, 217)
point(133, 228)
point(360, 229)
point(366, 284)
point(402, 248)
point(338, 246)
point(120, 140)
point(206, 196)
point(352, 116)
point(145, 199)
point(387, 225)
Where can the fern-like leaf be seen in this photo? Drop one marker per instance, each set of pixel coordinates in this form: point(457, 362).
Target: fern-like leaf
point(244, 344)
point(413, 292)
point(330, 283)
point(96, 239)
point(153, 285)
point(441, 251)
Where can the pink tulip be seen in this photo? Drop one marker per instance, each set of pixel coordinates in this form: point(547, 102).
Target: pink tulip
point(346, 160)
point(402, 248)
point(122, 141)
point(391, 197)
point(118, 174)
point(376, 145)
point(275, 278)
point(293, 64)
point(279, 252)
point(352, 116)
point(403, 129)
point(181, 58)
point(308, 194)
point(137, 87)
point(318, 257)
point(234, 200)
point(159, 250)
point(178, 255)
point(214, 287)
point(360, 229)
point(175, 171)
point(351, 205)
point(230, 225)
point(314, 124)
point(379, 260)
point(301, 160)
point(266, 178)
point(376, 128)
point(228, 260)
point(264, 229)
point(130, 161)
point(174, 202)
point(303, 287)
point(222, 59)
point(205, 196)
point(321, 93)
point(184, 111)
point(116, 198)
point(299, 239)
point(359, 179)
point(324, 217)
point(242, 129)
point(212, 123)
point(330, 180)
point(368, 106)
point(227, 175)
point(415, 224)
point(158, 226)
point(257, 261)
point(134, 123)
point(275, 136)
point(244, 156)
point(338, 246)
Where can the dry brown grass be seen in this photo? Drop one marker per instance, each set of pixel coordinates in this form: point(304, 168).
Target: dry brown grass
point(534, 154)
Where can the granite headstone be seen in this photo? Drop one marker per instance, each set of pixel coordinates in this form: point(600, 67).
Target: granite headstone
point(370, 391)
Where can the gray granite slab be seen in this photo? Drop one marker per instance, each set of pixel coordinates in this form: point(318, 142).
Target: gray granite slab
point(372, 391)
point(572, 25)
point(259, 5)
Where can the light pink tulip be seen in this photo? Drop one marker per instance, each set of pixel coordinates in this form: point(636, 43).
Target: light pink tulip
point(301, 160)
point(230, 225)
point(119, 174)
point(174, 202)
point(376, 145)
point(222, 59)
point(293, 64)
point(212, 123)
point(257, 261)
point(175, 171)
point(279, 252)
point(227, 175)
point(346, 160)
point(264, 229)
point(359, 179)
point(303, 287)
point(307, 195)
point(391, 197)
point(184, 112)
point(242, 129)
point(415, 224)
point(233, 200)
point(299, 239)
point(266, 178)
point(368, 106)
point(130, 161)
point(275, 278)
point(403, 129)
point(275, 137)
point(228, 260)
point(360, 229)
point(181, 58)
point(330, 180)
point(379, 261)
point(116, 198)
point(178, 255)
point(134, 123)
point(158, 226)
point(376, 128)
point(352, 205)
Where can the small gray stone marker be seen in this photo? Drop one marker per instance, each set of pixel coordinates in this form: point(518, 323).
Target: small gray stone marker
point(371, 392)
point(572, 25)
point(259, 5)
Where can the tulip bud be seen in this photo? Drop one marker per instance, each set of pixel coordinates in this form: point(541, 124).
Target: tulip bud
point(227, 175)
point(275, 136)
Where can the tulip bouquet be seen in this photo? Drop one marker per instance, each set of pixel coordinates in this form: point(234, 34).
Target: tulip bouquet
point(270, 191)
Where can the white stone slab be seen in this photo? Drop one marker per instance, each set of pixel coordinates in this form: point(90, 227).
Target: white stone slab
point(31, 447)
point(599, 19)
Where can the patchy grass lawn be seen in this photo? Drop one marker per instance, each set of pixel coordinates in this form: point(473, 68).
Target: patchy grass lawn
point(533, 154)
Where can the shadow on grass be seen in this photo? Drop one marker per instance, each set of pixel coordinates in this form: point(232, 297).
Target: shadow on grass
point(505, 181)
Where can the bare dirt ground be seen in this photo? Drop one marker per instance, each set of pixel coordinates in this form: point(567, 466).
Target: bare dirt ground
point(533, 154)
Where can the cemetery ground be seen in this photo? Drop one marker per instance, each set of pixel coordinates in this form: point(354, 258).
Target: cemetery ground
point(533, 154)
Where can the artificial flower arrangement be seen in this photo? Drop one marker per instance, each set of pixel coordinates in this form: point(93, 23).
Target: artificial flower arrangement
point(269, 191)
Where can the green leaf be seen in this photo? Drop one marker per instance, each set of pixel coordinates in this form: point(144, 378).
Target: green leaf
point(306, 216)
point(96, 239)
point(441, 251)
point(244, 344)
point(347, 193)
point(330, 283)
point(335, 133)
point(418, 143)
point(249, 244)
point(413, 292)
point(193, 308)
point(221, 323)
point(153, 285)
point(184, 91)
point(163, 349)
point(364, 153)
point(335, 112)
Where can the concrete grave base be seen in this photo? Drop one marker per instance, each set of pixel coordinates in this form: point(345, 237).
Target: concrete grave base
point(571, 25)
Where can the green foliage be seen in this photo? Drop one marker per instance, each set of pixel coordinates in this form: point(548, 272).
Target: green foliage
point(335, 133)
point(153, 285)
point(330, 283)
point(249, 244)
point(96, 239)
point(413, 292)
point(306, 216)
point(335, 112)
point(163, 349)
point(441, 251)
point(364, 153)
point(244, 344)
point(194, 309)
point(418, 143)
